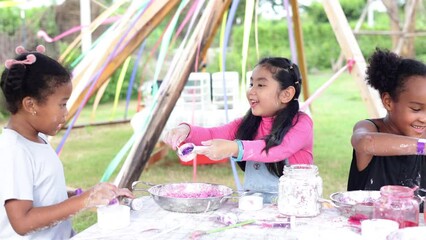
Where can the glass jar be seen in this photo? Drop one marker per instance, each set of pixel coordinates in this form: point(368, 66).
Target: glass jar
point(299, 190)
point(397, 203)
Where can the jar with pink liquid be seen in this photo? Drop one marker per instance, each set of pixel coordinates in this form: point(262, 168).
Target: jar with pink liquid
point(398, 203)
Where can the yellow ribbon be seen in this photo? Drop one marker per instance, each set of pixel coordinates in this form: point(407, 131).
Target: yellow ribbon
point(98, 98)
point(5, 4)
point(222, 38)
point(119, 85)
point(248, 18)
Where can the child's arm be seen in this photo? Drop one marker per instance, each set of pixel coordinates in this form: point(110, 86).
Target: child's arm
point(25, 218)
point(196, 134)
point(218, 149)
point(368, 142)
point(226, 131)
point(296, 145)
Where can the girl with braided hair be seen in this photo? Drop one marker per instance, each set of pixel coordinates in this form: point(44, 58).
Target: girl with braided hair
point(34, 200)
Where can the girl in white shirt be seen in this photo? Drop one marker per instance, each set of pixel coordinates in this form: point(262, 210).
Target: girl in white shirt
point(34, 203)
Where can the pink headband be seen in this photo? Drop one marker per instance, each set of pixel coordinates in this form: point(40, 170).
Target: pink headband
point(31, 58)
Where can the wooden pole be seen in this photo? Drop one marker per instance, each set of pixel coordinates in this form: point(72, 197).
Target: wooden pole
point(390, 33)
point(170, 91)
point(145, 25)
point(338, 64)
point(405, 45)
point(351, 50)
point(93, 26)
point(299, 46)
point(393, 12)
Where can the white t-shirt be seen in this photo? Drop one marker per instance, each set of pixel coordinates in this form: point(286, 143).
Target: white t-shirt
point(31, 171)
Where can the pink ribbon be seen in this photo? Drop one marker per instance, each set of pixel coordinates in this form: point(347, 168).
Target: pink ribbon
point(47, 38)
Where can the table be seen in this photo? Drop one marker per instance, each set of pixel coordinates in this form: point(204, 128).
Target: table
point(152, 222)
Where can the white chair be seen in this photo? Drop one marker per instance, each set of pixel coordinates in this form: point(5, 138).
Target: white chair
point(193, 102)
point(232, 89)
point(218, 116)
point(196, 93)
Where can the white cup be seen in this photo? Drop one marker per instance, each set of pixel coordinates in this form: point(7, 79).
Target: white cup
point(252, 202)
point(377, 229)
point(113, 216)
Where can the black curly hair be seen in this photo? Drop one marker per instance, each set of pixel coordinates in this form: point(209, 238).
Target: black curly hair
point(388, 72)
point(37, 80)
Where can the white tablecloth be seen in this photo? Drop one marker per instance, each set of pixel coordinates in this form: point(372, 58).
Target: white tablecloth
point(152, 222)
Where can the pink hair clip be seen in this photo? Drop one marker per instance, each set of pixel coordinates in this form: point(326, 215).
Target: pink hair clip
point(21, 49)
point(31, 58)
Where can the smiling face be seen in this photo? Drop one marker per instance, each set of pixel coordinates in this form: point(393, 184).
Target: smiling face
point(265, 95)
point(50, 115)
point(407, 114)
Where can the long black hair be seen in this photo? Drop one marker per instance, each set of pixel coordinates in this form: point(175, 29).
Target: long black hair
point(287, 74)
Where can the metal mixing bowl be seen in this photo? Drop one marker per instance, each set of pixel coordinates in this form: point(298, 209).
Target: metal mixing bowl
point(352, 203)
point(188, 197)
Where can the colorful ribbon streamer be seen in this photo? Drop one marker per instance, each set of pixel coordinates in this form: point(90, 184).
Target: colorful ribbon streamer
point(5, 4)
point(165, 43)
point(256, 28)
point(133, 77)
point(290, 32)
point(47, 38)
point(120, 85)
point(248, 18)
point(163, 50)
point(93, 26)
point(98, 98)
point(95, 78)
point(229, 22)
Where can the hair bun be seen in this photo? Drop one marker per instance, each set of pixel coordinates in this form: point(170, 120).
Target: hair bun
point(8, 63)
point(31, 58)
point(20, 50)
point(40, 49)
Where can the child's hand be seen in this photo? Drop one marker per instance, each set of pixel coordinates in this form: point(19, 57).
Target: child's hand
point(104, 194)
point(218, 149)
point(175, 136)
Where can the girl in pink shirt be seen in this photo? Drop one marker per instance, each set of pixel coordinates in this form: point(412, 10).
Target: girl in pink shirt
point(272, 134)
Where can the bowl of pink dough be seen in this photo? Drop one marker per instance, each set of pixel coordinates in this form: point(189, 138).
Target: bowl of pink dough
point(187, 197)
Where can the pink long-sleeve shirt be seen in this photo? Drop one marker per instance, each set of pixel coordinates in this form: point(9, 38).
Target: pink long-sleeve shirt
point(296, 146)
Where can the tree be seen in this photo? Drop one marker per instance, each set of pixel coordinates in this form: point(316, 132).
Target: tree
point(403, 43)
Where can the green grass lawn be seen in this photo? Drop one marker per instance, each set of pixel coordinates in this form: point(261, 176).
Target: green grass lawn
point(334, 114)
point(89, 150)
